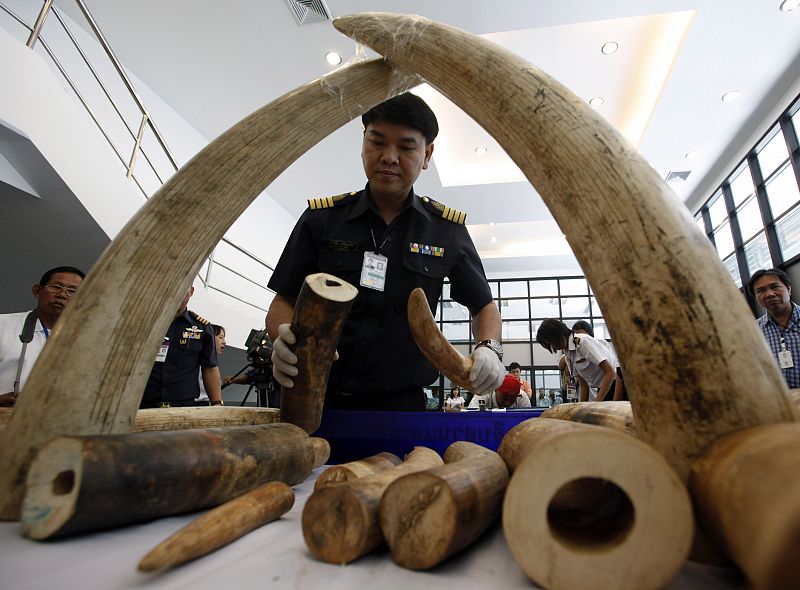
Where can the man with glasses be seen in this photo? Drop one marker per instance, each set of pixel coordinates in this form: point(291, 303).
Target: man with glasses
point(781, 324)
point(24, 334)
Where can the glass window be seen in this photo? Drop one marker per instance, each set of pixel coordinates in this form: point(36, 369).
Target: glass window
point(454, 311)
point(514, 289)
point(772, 155)
point(544, 288)
point(596, 312)
point(796, 121)
point(733, 268)
point(782, 191)
point(601, 329)
point(750, 222)
point(788, 230)
point(516, 330)
point(514, 308)
point(446, 291)
point(700, 223)
point(544, 308)
point(575, 307)
point(757, 255)
point(438, 315)
point(493, 287)
point(724, 240)
point(717, 211)
point(742, 186)
point(456, 331)
point(574, 287)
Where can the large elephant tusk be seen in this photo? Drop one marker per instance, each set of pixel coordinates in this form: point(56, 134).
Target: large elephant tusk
point(696, 364)
point(432, 343)
point(90, 378)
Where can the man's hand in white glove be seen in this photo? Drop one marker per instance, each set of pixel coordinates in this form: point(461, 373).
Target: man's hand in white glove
point(284, 361)
point(487, 371)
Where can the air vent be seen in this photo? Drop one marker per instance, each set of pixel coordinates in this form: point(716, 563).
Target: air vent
point(678, 175)
point(309, 11)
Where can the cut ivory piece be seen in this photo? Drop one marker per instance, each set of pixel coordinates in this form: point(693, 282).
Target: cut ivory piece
point(90, 377)
point(695, 363)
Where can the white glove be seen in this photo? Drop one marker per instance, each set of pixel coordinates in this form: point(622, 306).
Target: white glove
point(487, 371)
point(284, 361)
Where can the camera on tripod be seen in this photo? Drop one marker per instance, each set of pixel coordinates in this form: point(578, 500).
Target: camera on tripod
point(259, 349)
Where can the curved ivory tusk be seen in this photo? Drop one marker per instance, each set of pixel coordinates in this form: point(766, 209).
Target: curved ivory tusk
point(90, 378)
point(695, 362)
point(432, 343)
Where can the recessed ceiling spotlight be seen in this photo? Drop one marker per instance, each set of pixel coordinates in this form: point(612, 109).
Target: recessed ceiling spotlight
point(731, 96)
point(491, 224)
point(493, 239)
point(609, 48)
point(789, 5)
point(691, 155)
point(333, 58)
point(596, 101)
point(480, 150)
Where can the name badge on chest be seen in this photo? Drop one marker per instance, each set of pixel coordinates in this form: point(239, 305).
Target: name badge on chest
point(373, 271)
point(161, 355)
point(785, 356)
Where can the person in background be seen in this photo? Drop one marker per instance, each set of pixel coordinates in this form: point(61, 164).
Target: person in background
point(772, 288)
point(620, 391)
point(219, 344)
point(516, 370)
point(20, 347)
point(506, 396)
point(455, 402)
point(592, 363)
point(543, 401)
point(188, 348)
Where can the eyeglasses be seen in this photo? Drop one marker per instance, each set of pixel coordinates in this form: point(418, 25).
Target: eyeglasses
point(56, 289)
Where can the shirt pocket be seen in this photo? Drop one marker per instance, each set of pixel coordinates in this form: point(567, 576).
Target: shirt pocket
point(345, 265)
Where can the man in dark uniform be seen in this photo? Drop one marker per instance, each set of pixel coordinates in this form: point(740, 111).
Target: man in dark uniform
point(188, 346)
point(386, 240)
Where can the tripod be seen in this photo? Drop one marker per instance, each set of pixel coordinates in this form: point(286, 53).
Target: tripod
point(260, 379)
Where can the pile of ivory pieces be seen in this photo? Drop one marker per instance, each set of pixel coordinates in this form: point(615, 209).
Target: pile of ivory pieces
point(706, 394)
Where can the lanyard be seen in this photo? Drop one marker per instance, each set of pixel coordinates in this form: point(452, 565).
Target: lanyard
point(383, 243)
point(46, 331)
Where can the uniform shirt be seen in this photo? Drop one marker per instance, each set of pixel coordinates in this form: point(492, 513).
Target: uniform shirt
point(11, 347)
point(376, 350)
point(191, 346)
point(522, 401)
point(584, 357)
point(791, 336)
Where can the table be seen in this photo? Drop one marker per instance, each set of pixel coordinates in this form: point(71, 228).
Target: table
point(273, 556)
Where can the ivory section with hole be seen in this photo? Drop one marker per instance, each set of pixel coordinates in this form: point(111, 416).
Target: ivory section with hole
point(90, 377)
point(715, 373)
point(428, 516)
point(221, 526)
point(319, 315)
point(88, 483)
point(614, 415)
point(355, 469)
point(589, 506)
point(743, 489)
point(432, 343)
point(340, 523)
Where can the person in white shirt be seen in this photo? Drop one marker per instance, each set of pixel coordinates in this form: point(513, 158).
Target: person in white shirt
point(592, 363)
point(52, 293)
point(455, 402)
point(508, 395)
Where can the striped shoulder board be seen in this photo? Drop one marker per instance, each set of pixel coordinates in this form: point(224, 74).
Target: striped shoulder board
point(200, 319)
point(328, 202)
point(444, 211)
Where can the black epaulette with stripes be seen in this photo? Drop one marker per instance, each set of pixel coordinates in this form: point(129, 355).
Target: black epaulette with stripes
point(200, 319)
point(328, 202)
point(444, 211)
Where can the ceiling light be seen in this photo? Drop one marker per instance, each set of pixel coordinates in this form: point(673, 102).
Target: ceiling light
point(789, 5)
point(493, 239)
point(691, 155)
point(491, 224)
point(731, 96)
point(596, 101)
point(480, 150)
point(333, 58)
point(609, 48)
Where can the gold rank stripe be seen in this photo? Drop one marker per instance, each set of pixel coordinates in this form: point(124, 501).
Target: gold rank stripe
point(453, 215)
point(321, 203)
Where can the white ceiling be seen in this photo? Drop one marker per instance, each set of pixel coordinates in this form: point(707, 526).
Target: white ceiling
point(215, 62)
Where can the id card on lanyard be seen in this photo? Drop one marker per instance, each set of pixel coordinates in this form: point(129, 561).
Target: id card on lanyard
point(373, 271)
point(785, 356)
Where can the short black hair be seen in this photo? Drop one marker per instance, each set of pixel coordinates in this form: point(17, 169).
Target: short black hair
point(49, 274)
point(405, 109)
point(217, 329)
point(585, 326)
point(782, 277)
point(551, 333)
point(514, 365)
